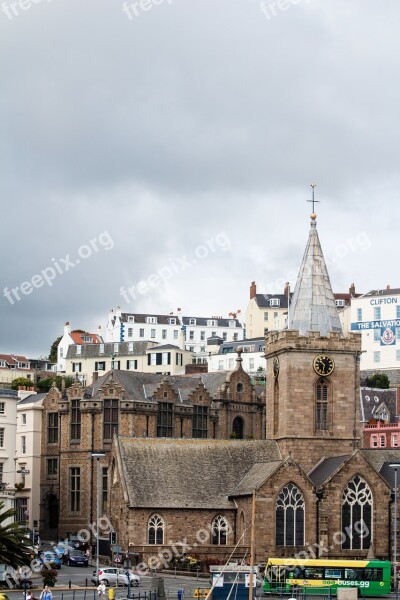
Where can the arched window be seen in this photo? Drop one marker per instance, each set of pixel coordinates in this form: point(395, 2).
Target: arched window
point(357, 515)
point(321, 404)
point(238, 428)
point(156, 530)
point(219, 531)
point(289, 517)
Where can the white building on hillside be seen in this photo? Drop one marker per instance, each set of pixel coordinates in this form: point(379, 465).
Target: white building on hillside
point(8, 428)
point(190, 333)
point(74, 337)
point(376, 315)
point(253, 359)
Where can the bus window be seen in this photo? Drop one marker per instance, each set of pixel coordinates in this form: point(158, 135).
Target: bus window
point(333, 574)
point(373, 574)
point(314, 573)
point(354, 574)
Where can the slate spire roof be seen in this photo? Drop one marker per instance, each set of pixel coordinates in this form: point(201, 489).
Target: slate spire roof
point(313, 306)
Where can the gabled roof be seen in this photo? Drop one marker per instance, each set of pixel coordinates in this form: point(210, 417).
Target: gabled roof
point(326, 468)
point(313, 306)
point(255, 478)
point(264, 300)
point(33, 398)
point(373, 398)
point(78, 338)
point(188, 473)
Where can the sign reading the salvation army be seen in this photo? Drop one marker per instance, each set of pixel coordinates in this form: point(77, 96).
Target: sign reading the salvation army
point(361, 325)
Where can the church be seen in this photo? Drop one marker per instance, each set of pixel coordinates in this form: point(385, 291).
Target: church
point(316, 492)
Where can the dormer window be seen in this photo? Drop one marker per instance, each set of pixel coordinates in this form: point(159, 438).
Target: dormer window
point(116, 347)
point(131, 319)
point(340, 303)
point(87, 338)
point(192, 321)
point(151, 320)
point(274, 302)
point(212, 323)
point(101, 349)
point(172, 321)
point(78, 350)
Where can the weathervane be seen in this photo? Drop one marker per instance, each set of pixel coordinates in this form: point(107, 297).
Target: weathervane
point(313, 200)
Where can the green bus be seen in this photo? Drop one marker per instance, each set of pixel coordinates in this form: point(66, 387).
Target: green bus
point(319, 576)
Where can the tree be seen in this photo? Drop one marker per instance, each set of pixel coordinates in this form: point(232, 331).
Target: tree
point(53, 350)
point(15, 546)
point(378, 380)
point(21, 381)
point(44, 385)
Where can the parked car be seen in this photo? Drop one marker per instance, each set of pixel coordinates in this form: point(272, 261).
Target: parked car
point(77, 558)
point(115, 576)
point(52, 558)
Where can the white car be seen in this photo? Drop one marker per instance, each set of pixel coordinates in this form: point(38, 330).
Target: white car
point(115, 576)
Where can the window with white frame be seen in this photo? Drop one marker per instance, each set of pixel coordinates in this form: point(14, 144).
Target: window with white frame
point(78, 350)
point(356, 510)
point(176, 334)
point(224, 336)
point(359, 314)
point(61, 354)
point(192, 321)
point(232, 323)
point(130, 331)
point(220, 365)
point(202, 335)
point(377, 313)
point(219, 531)
point(191, 335)
point(251, 363)
point(212, 323)
point(377, 356)
point(141, 332)
point(164, 334)
point(2, 408)
point(397, 333)
point(155, 530)
point(382, 441)
point(231, 363)
point(23, 444)
point(374, 441)
point(23, 419)
point(131, 365)
point(131, 319)
point(172, 321)
point(377, 335)
point(1, 472)
point(151, 320)
point(274, 302)
point(76, 367)
point(152, 333)
point(266, 316)
point(101, 349)
point(289, 517)
point(395, 440)
point(235, 337)
point(130, 346)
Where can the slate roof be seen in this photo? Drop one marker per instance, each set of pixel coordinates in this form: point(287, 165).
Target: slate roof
point(93, 350)
point(326, 468)
point(36, 398)
point(183, 473)
point(202, 321)
point(142, 318)
point(228, 347)
point(141, 386)
point(254, 478)
point(313, 306)
point(377, 457)
point(385, 292)
point(372, 400)
point(263, 300)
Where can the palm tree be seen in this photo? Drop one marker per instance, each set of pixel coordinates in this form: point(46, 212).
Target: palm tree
point(15, 547)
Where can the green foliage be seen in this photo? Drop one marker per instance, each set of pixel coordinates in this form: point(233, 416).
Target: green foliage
point(21, 381)
point(53, 350)
point(44, 385)
point(233, 435)
point(378, 380)
point(15, 547)
point(49, 576)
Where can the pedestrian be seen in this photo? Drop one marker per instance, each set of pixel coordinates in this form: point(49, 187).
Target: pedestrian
point(46, 594)
point(101, 591)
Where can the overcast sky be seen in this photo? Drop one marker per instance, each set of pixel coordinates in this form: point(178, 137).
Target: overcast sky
point(168, 146)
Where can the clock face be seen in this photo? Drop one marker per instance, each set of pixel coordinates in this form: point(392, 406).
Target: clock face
point(323, 365)
point(276, 367)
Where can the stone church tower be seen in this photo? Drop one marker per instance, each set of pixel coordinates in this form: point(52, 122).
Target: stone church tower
point(313, 371)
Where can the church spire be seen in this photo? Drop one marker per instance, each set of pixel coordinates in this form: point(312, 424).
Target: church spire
point(313, 306)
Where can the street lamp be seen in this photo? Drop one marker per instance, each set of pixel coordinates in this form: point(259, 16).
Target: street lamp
point(97, 455)
point(395, 466)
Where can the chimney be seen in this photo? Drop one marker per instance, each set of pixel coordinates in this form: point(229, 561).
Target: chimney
point(63, 385)
point(118, 311)
point(67, 328)
point(388, 286)
point(352, 290)
point(286, 289)
point(253, 290)
point(110, 314)
point(99, 331)
point(95, 376)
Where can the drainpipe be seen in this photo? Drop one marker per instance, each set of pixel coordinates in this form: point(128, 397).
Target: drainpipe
point(319, 496)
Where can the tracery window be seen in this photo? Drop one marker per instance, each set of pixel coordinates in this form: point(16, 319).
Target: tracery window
point(289, 514)
point(357, 515)
point(219, 531)
point(155, 530)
